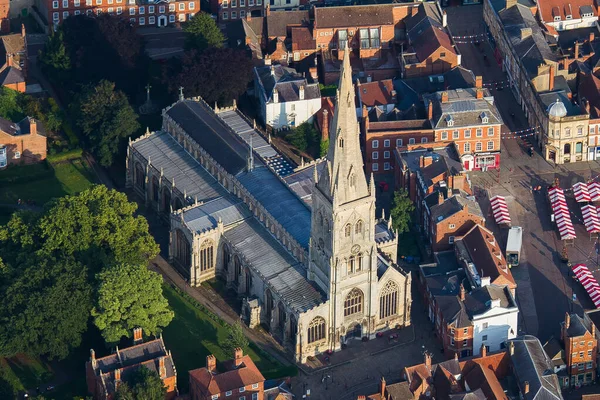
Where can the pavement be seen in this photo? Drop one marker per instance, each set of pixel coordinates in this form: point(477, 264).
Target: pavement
point(163, 42)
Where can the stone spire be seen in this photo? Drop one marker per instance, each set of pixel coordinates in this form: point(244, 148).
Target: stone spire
point(344, 174)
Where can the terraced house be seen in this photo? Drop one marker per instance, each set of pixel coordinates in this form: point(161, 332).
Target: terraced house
point(317, 270)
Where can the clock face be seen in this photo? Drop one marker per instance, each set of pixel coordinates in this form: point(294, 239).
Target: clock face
point(355, 249)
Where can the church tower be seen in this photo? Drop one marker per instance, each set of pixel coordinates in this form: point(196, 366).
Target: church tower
point(343, 252)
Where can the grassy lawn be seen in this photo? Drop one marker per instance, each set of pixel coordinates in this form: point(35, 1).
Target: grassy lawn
point(194, 333)
point(23, 372)
point(407, 245)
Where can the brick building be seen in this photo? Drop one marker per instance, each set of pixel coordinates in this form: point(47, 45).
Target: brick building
point(13, 49)
point(469, 118)
point(581, 347)
point(239, 379)
point(138, 12)
point(103, 375)
point(231, 10)
point(21, 143)
point(379, 95)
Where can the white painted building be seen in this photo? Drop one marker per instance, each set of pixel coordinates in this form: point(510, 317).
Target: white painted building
point(285, 97)
point(567, 15)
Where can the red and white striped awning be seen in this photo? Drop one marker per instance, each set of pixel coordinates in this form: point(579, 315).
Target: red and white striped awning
point(590, 218)
point(594, 190)
point(587, 280)
point(500, 210)
point(562, 217)
point(581, 193)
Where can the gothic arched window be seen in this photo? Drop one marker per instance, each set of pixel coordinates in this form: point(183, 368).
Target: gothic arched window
point(316, 329)
point(207, 260)
point(320, 219)
point(326, 227)
point(353, 303)
point(358, 228)
point(359, 262)
point(388, 300)
point(347, 230)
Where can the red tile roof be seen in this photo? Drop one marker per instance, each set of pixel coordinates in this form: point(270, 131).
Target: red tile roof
point(548, 9)
point(353, 16)
point(376, 93)
point(302, 39)
point(246, 374)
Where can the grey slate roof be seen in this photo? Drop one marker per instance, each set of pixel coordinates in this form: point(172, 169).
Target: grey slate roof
point(229, 209)
point(531, 364)
point(533, 50)
point(548, 98)
point(302, 181)
point(478, 301)
point(278, 21)
point(286, 81)
point(11, 75)
point(274, 264)
point(383, 233)
point(399, 391)
point(464, 108)
point(209, 132)
point(383, 265)
point(189, 175)
point(577, 326)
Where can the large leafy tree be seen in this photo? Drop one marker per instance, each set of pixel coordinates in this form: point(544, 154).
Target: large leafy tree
point(203, 32)
point(235, 338)
point(130, 296)
point(106, 118)
point(143, 384)
point(55, 59)
point(210, 74)
point(401, 211)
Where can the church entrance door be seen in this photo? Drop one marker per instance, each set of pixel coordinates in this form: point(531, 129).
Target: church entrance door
point(355, 332)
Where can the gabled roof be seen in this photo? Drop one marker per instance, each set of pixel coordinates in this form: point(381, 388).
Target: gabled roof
point(376, 93)
point(279, 21)
point(554, 350)
point(428, 36)
point(463, 108)
point(577, 326)
point(11, 76)
point(549, 9)
point(302, 39)
point(353, 16)
point(287, 82)
point(483, 379)
point(234, 378)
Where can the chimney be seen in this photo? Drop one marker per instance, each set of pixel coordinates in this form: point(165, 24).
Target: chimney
point(248, 16)
point(268, 10)
point(483, 351)
point(444, 97)
point(551, 81)
point(162, 370)
point(430, 110)
point(425, 161)
point(440, 197)
point(362, 397)
point(275, 96)
point(24, 32)
point(576, 49)
point(456, 356)
point(238, 354)
point(567, 320)
point(592, 37)
point(526, 387)
point(118, 374)
point(272, 68)
point(525, 33)
point(479, 82)
point(428, 361)
point(9, 60)
point(301, 92)
point(137, 336)
point(444, 19)
point(462, 292)
point(211, 363)
point(485, 281)
point(325, 127)
point(32, 126)
point(382, 387)
point(267, 61)
point(479, 93)
point(511, 348)
point(593, 330)
point(93, 357)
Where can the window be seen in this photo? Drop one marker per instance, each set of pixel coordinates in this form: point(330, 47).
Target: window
point(242, 3)
point(375, 155)
point(464, 343)
point(444, 135)
point(452, 331)
point(369, 38)
point(347, 230)
point(65, 14)
point(55, 4)
point(342, 38)
point(242, 15)
point(411, 141)
point(567, 132)
point(77, 12)
point(110, 1)
point(589, 353)
point(574, 355)
point(590, 344)
point(375, 166)
point(98, 2)
point(451, 240)
point(386, 166)
point(172, 7)
point(451, 226)
point(398, 142)
point(579, 147)
point(88, 2)
point(225, 3)
point(386, 143)
point(181, 17)
point(375, 144)
point(17, 154)
point(580, 366)
point(490, 131)
point(465, 331)
point(55, 16)
point(455, 135)
point(150, 9)
point(228, 393)
point(251, 3)
point(467, 147)
point(388, 300)
point(77, 3)
point(451, 341)
point(151, 20)
point(242, 389)
point(589, 365)
point(88, 12)
point(192, 5)
point(142, 10)
point(423, 140)
point(353, 302)
point(386, 154)
point(131, 11)
point(214, 397)
point(259, 2)
point(65, 3)
point(171, 18)
point(490, 145)
point(255, 395)
point(161, 9)
point(142, 21)
point(358, 228)
point(479, 132)
point(316, 332)
point(255, 385)
point(478, 146)
point(582, 343)
point(467, 133)
point(484, 337)
point(233, 3)
point(581, 354)
point(485, 325)
point(119, 10)
point(181, 6)
point(242, 398)
point(111, 10)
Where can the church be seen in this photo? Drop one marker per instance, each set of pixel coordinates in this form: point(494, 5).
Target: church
point(301, 246)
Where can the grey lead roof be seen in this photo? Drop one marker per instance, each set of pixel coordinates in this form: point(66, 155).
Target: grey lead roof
point(531, 364)
point(164, 151)
point(464, 109)
point(274, 264)
point(228, 209)
point(383, 233)
point(286, 81)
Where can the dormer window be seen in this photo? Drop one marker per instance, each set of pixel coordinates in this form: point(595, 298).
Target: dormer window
point(484, 118)
point(557, 18)
point(449, 120)
point(569, 16)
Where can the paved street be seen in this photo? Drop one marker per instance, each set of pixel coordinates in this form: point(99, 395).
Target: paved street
point(545, 290)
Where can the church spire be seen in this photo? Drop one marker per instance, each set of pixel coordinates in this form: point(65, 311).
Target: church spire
point(344, 157)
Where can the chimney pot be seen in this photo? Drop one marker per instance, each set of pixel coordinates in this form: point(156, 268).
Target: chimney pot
point(551, 82)
point(567, 320)
point(479, 82)
point(483, 350)
point(462, 292)
point(162, 370)
point(576, 49)
point(118, 374)
point(526, 388)
point(430, 110)
point(382, 387)
point(238, 354)
point(211, 363)
point(428, 361)
point(592, 37)
point(137, 336)
point(444, 97)
point(301, 92)
point(479, 93)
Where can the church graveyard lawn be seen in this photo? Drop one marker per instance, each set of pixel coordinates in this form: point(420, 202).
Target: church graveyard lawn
point(194, 333)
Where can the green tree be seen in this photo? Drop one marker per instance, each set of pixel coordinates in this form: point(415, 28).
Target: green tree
point(106, 118)
point(11, 104)
point(305, 137)
point(54, 59)
point(235, 338)
point(203, 32)
point(324, 148)
point(130, 296)
point(401, 211)
point(147, 385)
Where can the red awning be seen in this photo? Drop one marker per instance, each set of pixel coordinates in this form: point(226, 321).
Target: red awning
point(585, 277)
